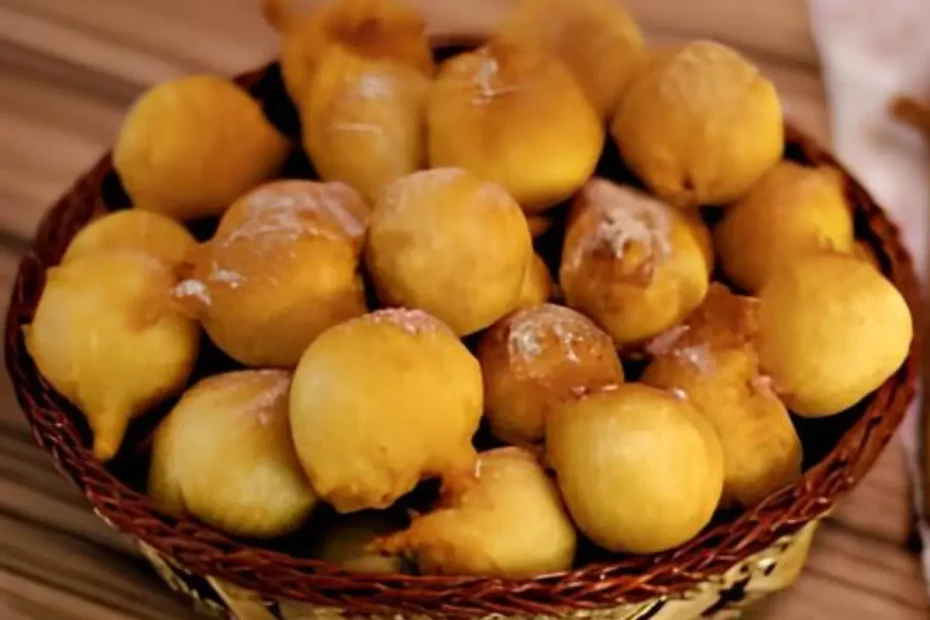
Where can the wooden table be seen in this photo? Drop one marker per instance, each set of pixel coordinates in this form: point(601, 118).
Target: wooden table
point(68, 71)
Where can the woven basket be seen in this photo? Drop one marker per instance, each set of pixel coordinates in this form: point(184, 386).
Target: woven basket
point(738, 558)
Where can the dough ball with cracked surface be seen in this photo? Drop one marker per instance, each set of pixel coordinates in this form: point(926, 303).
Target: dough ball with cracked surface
point(630, 262)
point(282, 267)
point(537, 357)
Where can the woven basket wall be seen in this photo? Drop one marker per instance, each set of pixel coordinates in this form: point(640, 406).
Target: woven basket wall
point(721, 597)
point(740, 557)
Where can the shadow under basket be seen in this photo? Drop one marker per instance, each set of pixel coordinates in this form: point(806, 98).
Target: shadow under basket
point(739, 558)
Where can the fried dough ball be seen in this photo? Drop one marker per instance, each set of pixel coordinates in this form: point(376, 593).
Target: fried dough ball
point(630, 262)
point(224, 455)
point(191, 146)
point(711, 361)
point(372, 29)
point(132, 229)
point(640, 470)
point(350, 542)
point(596, 39)
point(281, 268)
point(509, 521)
point(792, 209)
point(536, 358)
point(515, 116)
point(700, 125)
point(363, 120)
point(537, 283)
point(107, 336)
point(445, 241)
point(831, 330)
point(381, 401)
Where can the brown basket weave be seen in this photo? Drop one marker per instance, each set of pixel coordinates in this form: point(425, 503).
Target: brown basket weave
point(840, 448)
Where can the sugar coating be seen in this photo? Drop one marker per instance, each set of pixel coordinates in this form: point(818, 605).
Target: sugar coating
point(698, 355)
point(568, 339)
point(232, 278)
point(664, 342)
point(374, 85)
point(492, 195)
point(695, 79)
point(523, 340)
point(278, 217)
point(583, 391)
point(631, 217)
point(375, 130)
point(264, 401)
point(412, 321)
point(486, 70)
point(399, 194)
point(487, 73)
point(259, 403)
point(528, 328)
point(195, 289)
point(627, 216)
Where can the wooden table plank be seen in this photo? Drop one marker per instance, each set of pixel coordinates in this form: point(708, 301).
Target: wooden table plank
point(849, 576)
point(26, 599)
point(778, 30)
point(52, 131)
point(83, 570)
point(226, 35)
point(54, 128)
point(881, 506)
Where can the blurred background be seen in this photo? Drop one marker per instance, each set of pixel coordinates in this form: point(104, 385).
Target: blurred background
point(70, 68)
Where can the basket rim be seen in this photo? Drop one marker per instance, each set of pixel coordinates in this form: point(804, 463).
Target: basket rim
point(202, 550)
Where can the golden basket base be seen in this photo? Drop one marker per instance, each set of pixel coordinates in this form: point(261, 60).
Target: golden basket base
point(722, 598)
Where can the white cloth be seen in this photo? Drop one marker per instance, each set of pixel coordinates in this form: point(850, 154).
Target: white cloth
point(872, 51)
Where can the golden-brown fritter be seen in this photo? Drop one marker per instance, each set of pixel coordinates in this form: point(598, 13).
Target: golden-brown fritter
point(631, 262)
point(515, 116)
point(381, 401)
point(536, 358)
point(505, 520)
point(281, 268)
point(190, 147)
point(711, 361)
point(224, 455)
point(640, 470)
point(107, 336)
point(699, 124)
point(450, 243)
